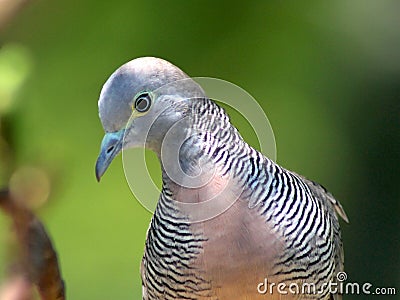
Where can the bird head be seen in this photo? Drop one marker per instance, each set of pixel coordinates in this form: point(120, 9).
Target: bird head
point(139, 103)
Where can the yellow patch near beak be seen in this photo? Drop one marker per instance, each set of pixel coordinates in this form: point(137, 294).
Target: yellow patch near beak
point(135, 114)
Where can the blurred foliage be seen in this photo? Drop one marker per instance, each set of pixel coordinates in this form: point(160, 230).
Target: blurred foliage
point(326, 73)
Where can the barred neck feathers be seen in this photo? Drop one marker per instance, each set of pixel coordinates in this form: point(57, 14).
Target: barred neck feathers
point(213, 125)
point(210, 138)
point(222, 143)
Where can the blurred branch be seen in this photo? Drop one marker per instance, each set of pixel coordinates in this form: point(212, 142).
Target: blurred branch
point(8, 9)
point(36, 265)
point(38, 259)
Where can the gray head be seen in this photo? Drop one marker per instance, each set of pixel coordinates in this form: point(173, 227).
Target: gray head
point(139, 103)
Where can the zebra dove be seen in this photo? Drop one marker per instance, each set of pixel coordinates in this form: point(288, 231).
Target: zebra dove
point(229, 223)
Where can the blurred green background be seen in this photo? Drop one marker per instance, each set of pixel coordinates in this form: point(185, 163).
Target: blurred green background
point(327, 75)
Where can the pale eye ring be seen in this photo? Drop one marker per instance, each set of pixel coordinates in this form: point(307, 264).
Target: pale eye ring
point(143, 102)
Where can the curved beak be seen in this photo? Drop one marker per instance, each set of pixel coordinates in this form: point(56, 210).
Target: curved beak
point(111, 146)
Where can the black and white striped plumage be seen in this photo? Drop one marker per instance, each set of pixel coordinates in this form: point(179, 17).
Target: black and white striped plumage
point(279, 225)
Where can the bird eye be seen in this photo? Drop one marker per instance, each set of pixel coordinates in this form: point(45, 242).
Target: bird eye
point(143, 102)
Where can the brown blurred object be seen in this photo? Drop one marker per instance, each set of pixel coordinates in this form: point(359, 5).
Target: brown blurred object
point(8, 9)
point(38, 261)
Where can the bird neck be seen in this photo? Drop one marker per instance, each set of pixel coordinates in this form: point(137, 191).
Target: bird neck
point(211, 152)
